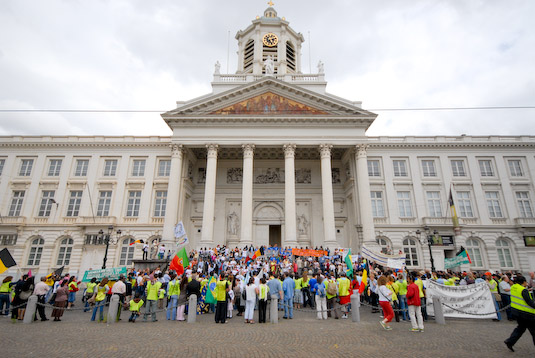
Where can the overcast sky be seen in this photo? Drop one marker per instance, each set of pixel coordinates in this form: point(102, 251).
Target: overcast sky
point(146, 55)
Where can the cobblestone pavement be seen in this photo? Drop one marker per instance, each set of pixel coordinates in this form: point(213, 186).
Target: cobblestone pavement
point(76, 336)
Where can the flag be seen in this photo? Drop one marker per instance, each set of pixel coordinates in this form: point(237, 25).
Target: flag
point(183, 241)
point(6, 260)
point(364, 281)
point(256, 254)
point(463, 252)
point(349, 264)
point(179, 262)
point(179, 230)
point(210, 292)
point(29, 273)
point(454, 217)
point(58, 272)
point(203, 307)
point(136, 242)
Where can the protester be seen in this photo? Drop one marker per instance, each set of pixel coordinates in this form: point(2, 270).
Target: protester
point(40, 290)
point(135, 306)
point(182, 299)
point(414, 302)
point(90, 289)
point(321, 298)
point(263, 290)
point(152, 291)
point(99, 298)
point(523, 310)
point(60, 302)
point(5, 295)
point(385, 302)
point(288, 287)
point(173, 290)
point(251, 291)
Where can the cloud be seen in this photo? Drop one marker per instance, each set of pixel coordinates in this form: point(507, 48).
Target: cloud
point(147, 55)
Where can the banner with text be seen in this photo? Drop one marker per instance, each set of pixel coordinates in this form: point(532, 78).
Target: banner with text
point(308, 252)
point(111, 273)
point(471, 299)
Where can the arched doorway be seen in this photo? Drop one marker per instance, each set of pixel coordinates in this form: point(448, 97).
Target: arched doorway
point(268, 218)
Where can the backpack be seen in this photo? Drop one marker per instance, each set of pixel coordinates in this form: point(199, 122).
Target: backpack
point(332, 289)
point(321, 290)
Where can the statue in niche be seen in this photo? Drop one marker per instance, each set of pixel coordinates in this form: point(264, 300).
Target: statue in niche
point(302, 224)
point(269, 65)
point(232, 224)
point(217, 68)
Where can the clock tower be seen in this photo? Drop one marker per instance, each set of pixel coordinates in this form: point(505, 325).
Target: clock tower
point(271, 37)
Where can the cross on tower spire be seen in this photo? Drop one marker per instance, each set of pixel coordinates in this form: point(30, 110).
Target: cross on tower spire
point(270, 3)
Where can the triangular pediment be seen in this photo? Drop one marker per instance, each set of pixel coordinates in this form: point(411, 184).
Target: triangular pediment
point(268, 97)
point(269, 103)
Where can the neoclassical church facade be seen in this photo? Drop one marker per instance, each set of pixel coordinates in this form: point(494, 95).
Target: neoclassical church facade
point(269, 157)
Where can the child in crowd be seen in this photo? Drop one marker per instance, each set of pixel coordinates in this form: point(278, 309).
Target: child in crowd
point(135, 306)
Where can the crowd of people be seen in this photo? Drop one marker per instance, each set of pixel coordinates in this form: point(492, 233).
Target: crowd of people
point(225, 280)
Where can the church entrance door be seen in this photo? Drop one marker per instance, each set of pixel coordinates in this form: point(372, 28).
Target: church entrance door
point(275, 235)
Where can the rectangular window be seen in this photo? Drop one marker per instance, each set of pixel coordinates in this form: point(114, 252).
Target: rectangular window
point(8, 239)
point(433, 204)
point(16, 203)
point(493, 204)
point(429, 169)
point(26, 167)
point(404, 204)
point(134, 200)
point(81, 167)
point(457, 168)
point(160, 203)
point(400, 168)
point(110, 167)
point(485, 167)
point(104, 202)
point(47, 199)
point(164, 168)
point(465, 204)
point(515, 167)
point(373, 168)
point(524, 204)
point(2, 162)
point(138, 168)
point(378, 208)
point(75, 199)
point(54, 167)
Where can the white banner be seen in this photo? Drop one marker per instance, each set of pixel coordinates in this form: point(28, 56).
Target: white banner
point(475, 298)
point(179, 230)
point(392, 261)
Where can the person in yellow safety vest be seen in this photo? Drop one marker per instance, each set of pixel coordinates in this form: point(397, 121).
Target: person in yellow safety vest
point(161, 297)
point(298, 296)
point(493, 286)
point(73, 288)
point(263, 290)
point(331, 297)
point(135, 306)
point(5, 291)
point(402, 296)
point(393, 286)
point(90, 289)
point(99, 295)
point(343, 293)
point(221, 290)
point(420, 283)
point(173, 290)
point(152, 291)
point(523, 308)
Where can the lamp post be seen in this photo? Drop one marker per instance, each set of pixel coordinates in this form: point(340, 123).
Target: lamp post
point(429, 238)
point(107, 239)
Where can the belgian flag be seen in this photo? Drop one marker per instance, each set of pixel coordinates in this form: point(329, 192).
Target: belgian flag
point(6, 260)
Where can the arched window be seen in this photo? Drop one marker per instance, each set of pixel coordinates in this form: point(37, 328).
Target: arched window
point(36, 250)
point(65, 250)
point(127, 252)
point(384, 243)
point(474, 250)
point(504, 253)
point(410, 249)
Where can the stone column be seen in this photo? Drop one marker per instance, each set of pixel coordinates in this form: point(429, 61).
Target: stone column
point(209, 196)
point(365, 201)
point(327, 196)
point(247, 196)
point(173, 196)
point(290, 227)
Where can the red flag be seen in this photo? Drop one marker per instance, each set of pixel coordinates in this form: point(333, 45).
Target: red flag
point(179, 262)
point(363, 282)
point(256, 254)
point(30, 273)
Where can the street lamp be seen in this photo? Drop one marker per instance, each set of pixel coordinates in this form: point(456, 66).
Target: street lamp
point(107, 239)
point(429, 238)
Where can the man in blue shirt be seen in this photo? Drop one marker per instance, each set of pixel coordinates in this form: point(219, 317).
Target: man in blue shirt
point(288, 287)
point(313, 281)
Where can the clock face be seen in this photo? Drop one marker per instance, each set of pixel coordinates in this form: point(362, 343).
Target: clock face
point(270, 40)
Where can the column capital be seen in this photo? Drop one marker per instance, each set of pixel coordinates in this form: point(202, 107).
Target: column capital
point(212, 150)
point(362, 150)
point(289, 150)
point(325, 150)
point(248, 150)
point(176, 149)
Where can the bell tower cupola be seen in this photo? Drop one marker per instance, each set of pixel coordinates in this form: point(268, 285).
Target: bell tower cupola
point(269, 46)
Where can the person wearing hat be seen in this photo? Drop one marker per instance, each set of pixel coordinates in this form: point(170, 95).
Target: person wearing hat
point(523, 310)
point(493, 286)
